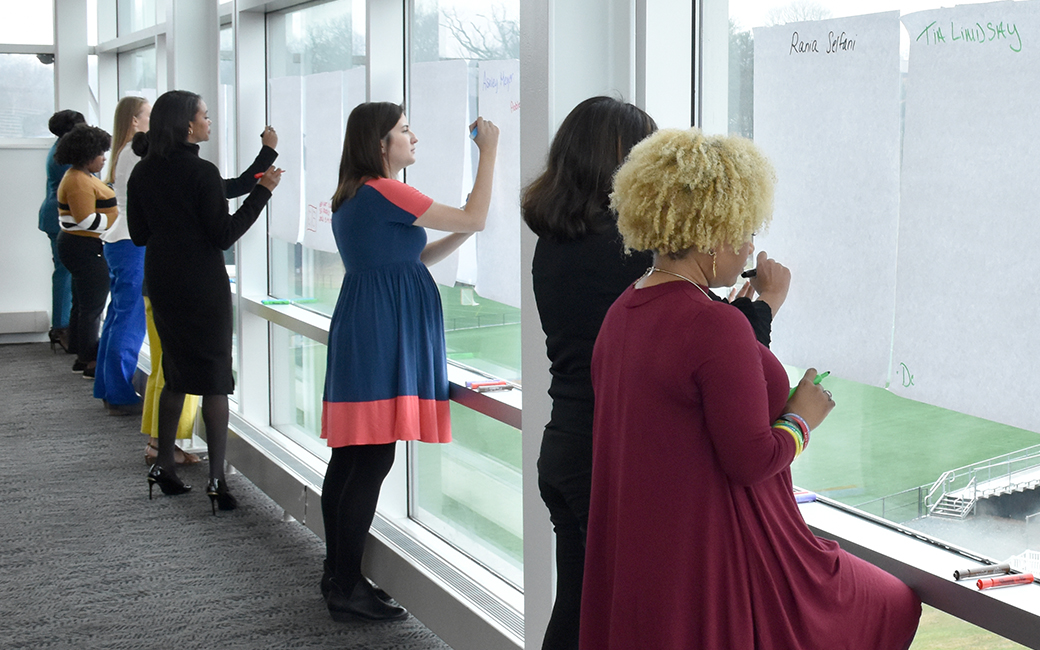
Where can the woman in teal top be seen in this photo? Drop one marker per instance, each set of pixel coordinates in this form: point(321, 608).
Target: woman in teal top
point(61, 280)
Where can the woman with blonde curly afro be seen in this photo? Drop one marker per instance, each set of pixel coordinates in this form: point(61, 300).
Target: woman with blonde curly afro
point(694, 537)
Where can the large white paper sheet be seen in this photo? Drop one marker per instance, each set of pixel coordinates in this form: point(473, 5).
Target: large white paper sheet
point(438, 109)
point(286, 204)
point(827, 116)
point(498, 247)
point(322, 147)
point(965, 327)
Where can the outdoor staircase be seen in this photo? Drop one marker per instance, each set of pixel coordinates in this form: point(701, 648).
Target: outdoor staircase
point(953, 507)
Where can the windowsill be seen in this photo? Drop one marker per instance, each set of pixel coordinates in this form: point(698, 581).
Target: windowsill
point(42, 142)
point(504, 405)
point(928, 568)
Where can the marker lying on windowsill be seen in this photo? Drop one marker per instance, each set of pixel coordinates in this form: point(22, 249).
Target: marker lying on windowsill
point(492, 382)
point(816, 382)
point(1005, 581)
point(804, 496)
point(990, 570)
point(287, 301)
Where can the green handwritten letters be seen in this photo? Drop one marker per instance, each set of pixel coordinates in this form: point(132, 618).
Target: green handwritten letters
point(975, 33)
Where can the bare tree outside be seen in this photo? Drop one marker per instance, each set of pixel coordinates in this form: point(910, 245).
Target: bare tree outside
point(485, 37)
point(741, 81)
point(797, 11)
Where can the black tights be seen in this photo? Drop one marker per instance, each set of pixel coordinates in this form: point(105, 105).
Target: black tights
point(348, 504)
point(214, 416)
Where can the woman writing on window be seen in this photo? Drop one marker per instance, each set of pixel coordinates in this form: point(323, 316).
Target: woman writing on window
point(580, 268)
point(695, 431)
point(387, 370)
point(176, 206)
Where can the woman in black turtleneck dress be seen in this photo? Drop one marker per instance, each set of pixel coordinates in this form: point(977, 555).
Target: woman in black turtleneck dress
point(580, 267)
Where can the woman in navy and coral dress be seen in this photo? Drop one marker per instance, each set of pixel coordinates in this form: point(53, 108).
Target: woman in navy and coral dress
point(387, 369)
point(695, 539)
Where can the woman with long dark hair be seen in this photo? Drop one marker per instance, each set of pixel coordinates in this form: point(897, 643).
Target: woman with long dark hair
point(580, 268)
point(387, 367)
point(176, 207)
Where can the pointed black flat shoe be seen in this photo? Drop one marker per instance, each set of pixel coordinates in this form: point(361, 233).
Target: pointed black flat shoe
point(167, 482)
point(363, 603)
point(219, 497)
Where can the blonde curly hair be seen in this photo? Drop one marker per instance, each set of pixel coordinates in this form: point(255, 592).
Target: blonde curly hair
point(681, 190)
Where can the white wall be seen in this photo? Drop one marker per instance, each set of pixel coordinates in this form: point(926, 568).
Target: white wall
point(25, 263)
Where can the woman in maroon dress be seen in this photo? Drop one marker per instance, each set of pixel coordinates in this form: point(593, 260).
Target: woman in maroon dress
point(694, 538)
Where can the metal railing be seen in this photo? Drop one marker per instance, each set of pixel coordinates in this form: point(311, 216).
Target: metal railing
point(920, 501)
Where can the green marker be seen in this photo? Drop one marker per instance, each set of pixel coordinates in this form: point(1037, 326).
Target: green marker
point(820, 377)
point(275, 301)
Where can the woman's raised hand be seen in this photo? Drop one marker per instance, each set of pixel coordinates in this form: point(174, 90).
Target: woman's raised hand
point(271, 178)
point(772, 280)
point(487, 135)
point(811, 401)
point(269, 138)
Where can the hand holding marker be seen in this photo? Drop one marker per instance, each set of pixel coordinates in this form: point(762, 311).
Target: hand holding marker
point(816, 382)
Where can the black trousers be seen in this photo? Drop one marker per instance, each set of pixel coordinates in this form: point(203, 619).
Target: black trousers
point(565, 483)
point(84, 258)
point(348, 505)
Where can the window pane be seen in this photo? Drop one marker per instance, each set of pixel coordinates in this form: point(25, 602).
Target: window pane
point(26, 95)
point(297, 382)
point(465, 63)
point(137, 73)
point(134, 15)
point(27, 23)
point(885, 448)
point(469, 492)
point(316, 75)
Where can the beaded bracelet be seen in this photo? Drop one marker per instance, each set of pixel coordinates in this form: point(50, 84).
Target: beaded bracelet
point(792, 429)
point(800, 422)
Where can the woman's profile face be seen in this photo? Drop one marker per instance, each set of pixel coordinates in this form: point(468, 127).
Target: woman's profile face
point(198, 128)
point(399, 147)
point(140, 121)
point(97, 164)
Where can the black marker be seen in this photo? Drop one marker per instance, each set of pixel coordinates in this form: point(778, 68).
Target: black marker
point(750, 273)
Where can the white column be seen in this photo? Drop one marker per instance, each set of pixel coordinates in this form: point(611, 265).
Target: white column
point(251, 258)
point(71, 87)
point(193, 54)
point(713, 70)
point(386, 65)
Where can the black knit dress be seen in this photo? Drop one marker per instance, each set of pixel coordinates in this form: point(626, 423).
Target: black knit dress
point(176, 207)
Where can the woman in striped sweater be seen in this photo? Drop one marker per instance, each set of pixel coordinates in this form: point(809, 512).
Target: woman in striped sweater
point(86, 208)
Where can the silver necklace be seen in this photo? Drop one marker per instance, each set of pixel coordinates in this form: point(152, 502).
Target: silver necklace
point(654, 268)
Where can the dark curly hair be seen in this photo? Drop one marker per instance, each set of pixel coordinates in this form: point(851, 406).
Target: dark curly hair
point(63, 121)
point(81, 145)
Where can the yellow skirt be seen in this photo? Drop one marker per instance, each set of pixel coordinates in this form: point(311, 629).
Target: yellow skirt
point(150, 413)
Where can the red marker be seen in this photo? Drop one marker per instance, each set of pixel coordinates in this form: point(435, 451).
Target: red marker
point(1005, 581)
point(258, 174)
point(482, 384)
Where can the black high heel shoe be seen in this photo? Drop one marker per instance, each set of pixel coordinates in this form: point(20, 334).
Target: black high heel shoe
point(168, 483)
point(59, 337)
point(219, 497)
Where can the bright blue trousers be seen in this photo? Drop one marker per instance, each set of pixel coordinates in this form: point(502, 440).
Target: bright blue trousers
point(124, 327)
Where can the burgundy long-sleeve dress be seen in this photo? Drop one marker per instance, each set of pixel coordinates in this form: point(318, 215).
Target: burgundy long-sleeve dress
point(695, 540)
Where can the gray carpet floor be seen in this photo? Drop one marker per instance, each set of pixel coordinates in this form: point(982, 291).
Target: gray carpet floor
point(87, 561)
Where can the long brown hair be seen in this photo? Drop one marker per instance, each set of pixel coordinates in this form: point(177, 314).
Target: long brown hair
point(362, 157)
point(565, 201)
point(123, 129)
